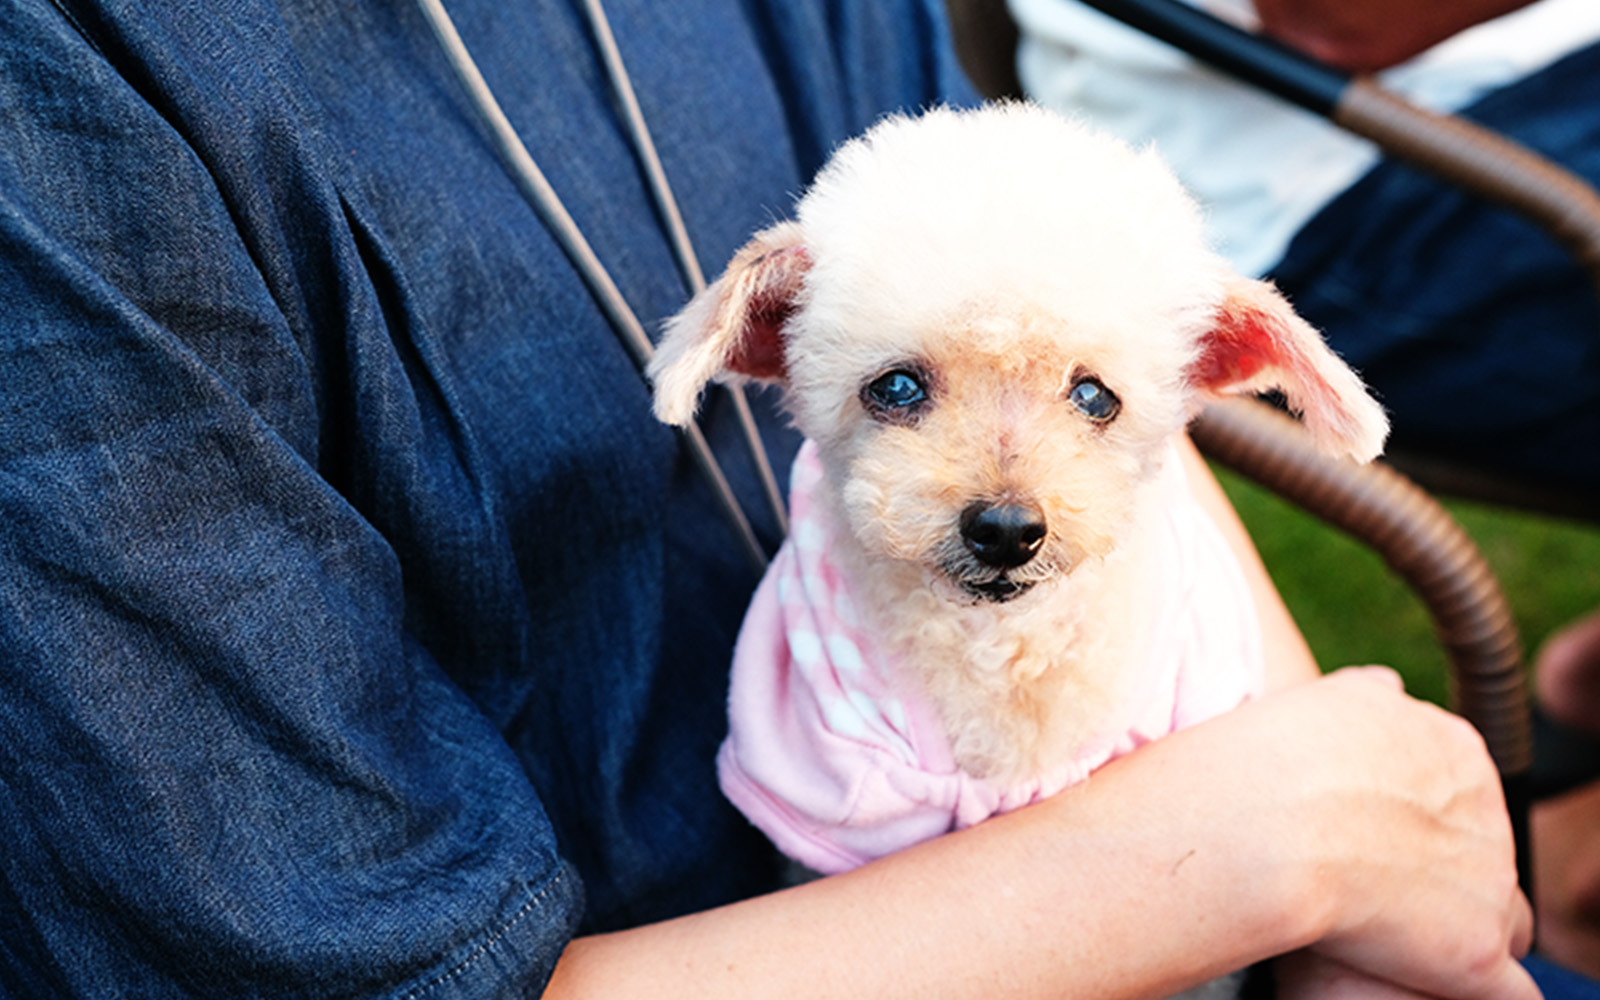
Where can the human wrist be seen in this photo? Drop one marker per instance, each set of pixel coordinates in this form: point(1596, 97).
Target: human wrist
point(1275, 869)
point(1251, 870)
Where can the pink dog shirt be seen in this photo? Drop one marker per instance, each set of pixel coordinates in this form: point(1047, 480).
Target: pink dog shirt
point(839, 760)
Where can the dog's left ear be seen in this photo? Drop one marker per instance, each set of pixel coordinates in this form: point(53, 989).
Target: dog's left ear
point(1257, 342)
point(733, 328)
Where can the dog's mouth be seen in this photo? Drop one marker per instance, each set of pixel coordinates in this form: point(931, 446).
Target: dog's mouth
point(996, 591)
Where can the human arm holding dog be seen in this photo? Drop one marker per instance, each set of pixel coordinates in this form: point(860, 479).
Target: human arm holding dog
point(1290, 823)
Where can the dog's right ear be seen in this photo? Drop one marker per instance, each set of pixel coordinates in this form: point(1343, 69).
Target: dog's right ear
point(735, 327)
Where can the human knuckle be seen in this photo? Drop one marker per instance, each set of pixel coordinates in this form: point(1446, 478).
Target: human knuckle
point(1485, 950)
point(1462, 735)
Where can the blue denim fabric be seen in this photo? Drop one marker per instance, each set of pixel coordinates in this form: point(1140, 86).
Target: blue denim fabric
point(1559, 983)
point(362, 633)
point(1479, 332)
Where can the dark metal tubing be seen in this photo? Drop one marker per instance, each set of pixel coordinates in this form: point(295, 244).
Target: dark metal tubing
point(1259, 61)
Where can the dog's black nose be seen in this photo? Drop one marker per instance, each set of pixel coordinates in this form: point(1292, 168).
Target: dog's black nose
point(1003, 536)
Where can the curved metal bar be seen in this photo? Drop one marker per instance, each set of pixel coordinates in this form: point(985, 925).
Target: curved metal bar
point(1259, 61)
point(1479, 160)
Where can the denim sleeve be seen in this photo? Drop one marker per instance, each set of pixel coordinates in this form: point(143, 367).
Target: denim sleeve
point(229, 767)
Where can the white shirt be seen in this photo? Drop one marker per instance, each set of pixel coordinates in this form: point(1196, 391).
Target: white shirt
point(1259, 166)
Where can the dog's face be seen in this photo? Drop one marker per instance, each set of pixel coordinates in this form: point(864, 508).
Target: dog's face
point(996, 453)
point(991, 323)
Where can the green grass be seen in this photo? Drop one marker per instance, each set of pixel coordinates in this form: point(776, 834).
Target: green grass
point(1352, 609)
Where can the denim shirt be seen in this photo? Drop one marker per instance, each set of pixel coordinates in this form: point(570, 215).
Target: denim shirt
point(361, 633)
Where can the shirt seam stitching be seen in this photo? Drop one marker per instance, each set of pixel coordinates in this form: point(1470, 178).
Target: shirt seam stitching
point(488, 944)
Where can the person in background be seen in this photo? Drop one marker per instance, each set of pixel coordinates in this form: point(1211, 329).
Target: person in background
point(1566, 828)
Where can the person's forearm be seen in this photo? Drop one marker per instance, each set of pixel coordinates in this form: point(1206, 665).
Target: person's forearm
point(1369, 35)
point(1336, 814)
point(1129, 885)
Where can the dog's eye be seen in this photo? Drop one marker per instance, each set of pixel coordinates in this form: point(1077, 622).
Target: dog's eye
point(1094, 400)
point(896, 390)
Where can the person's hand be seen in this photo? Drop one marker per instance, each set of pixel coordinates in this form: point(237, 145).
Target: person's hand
point(1393, 811)
point(1307, 975)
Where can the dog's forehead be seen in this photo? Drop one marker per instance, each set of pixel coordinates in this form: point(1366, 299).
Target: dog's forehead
point(1041, 352)
point(846, 338)
point(1014, 341)
point(1010, 208)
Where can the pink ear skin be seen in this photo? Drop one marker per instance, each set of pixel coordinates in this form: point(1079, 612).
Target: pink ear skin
point(1258, 343)
point(765, 299)
point(734, 327)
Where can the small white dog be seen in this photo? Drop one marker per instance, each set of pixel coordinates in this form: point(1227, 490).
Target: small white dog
point(990, 326)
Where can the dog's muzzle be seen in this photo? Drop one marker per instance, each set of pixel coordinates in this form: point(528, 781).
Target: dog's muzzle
point(1001, 537)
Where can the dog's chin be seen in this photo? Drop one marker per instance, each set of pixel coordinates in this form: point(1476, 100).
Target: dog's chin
point(962, 580)
point(999, 590)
